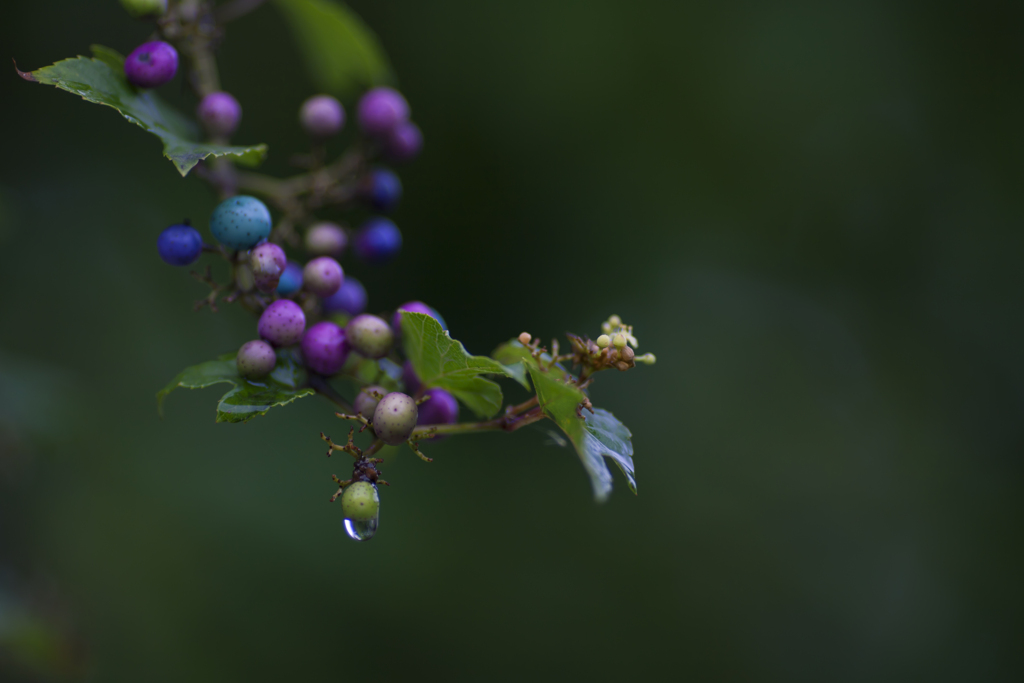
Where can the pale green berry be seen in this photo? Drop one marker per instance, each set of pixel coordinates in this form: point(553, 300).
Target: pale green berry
point(360, 501)
point(619, 341)
point(603, 341)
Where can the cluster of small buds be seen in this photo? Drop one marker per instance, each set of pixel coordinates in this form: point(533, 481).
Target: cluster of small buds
point(612, 349)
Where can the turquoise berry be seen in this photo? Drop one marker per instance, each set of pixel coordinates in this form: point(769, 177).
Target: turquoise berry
point(240, 222)
point(360, 501)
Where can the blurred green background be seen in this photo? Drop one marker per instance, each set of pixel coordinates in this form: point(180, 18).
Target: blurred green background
point(810, 211)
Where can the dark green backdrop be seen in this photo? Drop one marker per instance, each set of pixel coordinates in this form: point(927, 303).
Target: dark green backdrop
point(810, 211)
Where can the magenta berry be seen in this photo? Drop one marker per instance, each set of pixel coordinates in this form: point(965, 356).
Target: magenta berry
point(326, 239)
point(151, 64)
point(440, 409)
point(322, 116)
point(369, 335)
point(395, 418)
point(365, 402)
point(322, 276)
point(282, 323)
point(324, 348)
point(381, 110)
point(404, 142)
point(255, 359)
point(268, 262)
point(219, 112)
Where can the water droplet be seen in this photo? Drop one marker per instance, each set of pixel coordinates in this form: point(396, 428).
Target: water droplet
point(361, 530)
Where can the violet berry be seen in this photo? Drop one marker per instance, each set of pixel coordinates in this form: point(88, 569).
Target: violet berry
point(324, 348)
point(291, 279)
point(326, 239)
point(220, 113)
point(282, 323)
point(381, 189)
point(268, 262)
point(380, 110)
point(441, 409)
point(366, 401)
point(151, 64)
point(369, 335)
point(378, 241)
point(349, 299)
point(411, 307)
point(404, 142)
point(256, 359)
point(179, 245)
point(322, 116)
point(322, 276)
point(410, 379)
point(395, 418)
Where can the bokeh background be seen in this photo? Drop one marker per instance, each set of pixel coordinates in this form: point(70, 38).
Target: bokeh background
point(810, 211)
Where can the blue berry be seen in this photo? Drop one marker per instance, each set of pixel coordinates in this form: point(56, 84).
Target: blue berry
point(350, 298)
point(179, 245)
point(382, 189)
point(378, 241)
point(291, 279)
point(240, 222)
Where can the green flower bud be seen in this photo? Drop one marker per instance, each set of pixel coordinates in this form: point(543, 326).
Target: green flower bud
point(603, 341)
point(619, 341)
point(647, 358)
point(145, 8)
point(360, 501)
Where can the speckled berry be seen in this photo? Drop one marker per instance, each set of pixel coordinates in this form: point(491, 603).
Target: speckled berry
point(145, 8)
point(326, 239)
point(151, 64)
point(365, 402)
point(378, 241)
point(440, 409)
point(369, 335)
point(282, 323)
point(360, 501)
point(255, 359)
point(381, 189)
point(179, 245)
point(268, 262)
point(322, 116)
point(349, 299)
point(219, 112)
point(410, 379)
point(323, 348)
point(413, 307)
point(380, 110)
point(322, 276)
point(240, 222)
point(395, 418)
point(291, 279)
point(404, 142)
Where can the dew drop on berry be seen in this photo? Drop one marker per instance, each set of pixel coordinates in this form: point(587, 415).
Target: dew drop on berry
point(361, 530)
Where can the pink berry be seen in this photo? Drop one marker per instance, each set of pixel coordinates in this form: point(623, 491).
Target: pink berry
point(322, 116)
point(255, 359)
point(220, 113)
point(326, 239)
point(282, 323)
point(322, 276)
point(268, 262)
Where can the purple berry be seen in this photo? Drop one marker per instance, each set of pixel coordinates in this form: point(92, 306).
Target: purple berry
point(369, 335)
point(322, 116)
point(395, 418)
point(381, 189)
point(179, 245)
point(349, 299)
point(441, 409)
point(411, 307)
point(410, 379)
point(322, 276)
point(404, 143)
point(366, 402)
point(378, 241)
point(220, 113)
point(291, 279)
point(324, 348)
point(151, 64)
point(380, 110)
point(326, 239)
point(282, 323)
point(268, 262)
point(255, 359)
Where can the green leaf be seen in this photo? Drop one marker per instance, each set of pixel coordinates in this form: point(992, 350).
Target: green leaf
point(342, 55)
point(246, 399)
point(101, 80)
point(595, 436)
point(440, 361)
point(515, 358)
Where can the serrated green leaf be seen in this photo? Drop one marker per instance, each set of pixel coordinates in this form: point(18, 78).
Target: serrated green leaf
point(100, 80)
point(515, 358)
point(342, 55)
point(594, 436)
point(246, 399)
point(441, 361)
